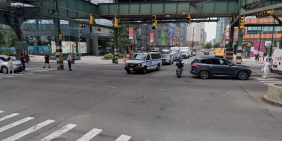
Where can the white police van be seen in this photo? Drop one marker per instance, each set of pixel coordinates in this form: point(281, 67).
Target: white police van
point(144, 62)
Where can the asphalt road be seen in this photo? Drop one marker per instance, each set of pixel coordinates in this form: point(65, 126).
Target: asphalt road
point(157, 106)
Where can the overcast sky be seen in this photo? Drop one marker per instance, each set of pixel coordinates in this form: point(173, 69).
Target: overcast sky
point(210, 28)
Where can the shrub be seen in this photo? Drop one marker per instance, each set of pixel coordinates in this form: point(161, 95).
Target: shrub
point(9, 53)
point(121, 55)
point(108, 56)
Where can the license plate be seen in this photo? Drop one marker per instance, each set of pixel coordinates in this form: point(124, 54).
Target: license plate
point(274, 66)
point(131, 69)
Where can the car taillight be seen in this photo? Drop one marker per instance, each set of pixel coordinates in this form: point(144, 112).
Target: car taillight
point(194, 65)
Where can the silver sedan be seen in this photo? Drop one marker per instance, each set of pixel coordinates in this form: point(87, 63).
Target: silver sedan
point(4, 61)
point(167, 59)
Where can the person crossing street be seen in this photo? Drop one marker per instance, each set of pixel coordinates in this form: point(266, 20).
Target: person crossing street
point(69, 61)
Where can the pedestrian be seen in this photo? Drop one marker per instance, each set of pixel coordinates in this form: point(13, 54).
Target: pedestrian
point(266, 66)
point(10, 66)
point(23, 60)
point(69, 61)
point(47, 58)
point(72, 57)
point(269, 57)
point(257, 57)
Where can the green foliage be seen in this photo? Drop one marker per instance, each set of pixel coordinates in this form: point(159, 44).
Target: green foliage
point(9, 34)
point(216, 45)
point(9, 53)
point(108, 56)
point(121, 55)
point(208, 46)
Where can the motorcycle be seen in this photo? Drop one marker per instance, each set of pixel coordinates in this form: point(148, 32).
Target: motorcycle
point(178, 73)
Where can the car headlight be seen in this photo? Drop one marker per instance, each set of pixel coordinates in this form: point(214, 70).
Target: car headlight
point(139, 64)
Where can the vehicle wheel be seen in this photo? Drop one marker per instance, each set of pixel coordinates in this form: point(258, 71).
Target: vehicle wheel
point(4, 69)
point(145, 70)
point(158, 67)
point(204, 74)
point(170, 62)
point(128, 71)
point(242, 75)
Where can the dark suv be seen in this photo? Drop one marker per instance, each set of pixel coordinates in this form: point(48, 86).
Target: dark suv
point(211, 66)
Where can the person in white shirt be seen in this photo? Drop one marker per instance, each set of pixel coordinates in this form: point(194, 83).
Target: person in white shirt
point(10, 66)
point(266, 65)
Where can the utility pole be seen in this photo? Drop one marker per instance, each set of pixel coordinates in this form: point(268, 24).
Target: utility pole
point(193, 38)
point(259, 39)
point(272, 42)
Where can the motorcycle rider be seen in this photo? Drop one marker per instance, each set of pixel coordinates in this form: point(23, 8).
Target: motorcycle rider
point(179, 65)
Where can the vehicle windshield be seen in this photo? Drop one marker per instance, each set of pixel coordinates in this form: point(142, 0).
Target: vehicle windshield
point(184, 51)
point(174, 51)
point(165, 55)
point(6, 59)
point(174, 55)
point(139, 57)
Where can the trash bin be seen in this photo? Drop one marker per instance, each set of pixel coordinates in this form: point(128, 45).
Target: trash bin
point(114, 60)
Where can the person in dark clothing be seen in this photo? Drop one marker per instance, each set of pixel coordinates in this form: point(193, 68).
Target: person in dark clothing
point(46, 57)
point(179, 65)
point(69, 61)
point(23, 60)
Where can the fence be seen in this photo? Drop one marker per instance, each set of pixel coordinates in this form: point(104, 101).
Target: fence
point(32, 49)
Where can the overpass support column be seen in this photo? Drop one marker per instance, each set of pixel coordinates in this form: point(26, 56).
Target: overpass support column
point(57, 32)
point(116, 45)
point(240, 46)
point(229, 50)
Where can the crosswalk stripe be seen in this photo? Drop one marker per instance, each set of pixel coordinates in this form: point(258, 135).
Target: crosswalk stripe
point(91, 134)
point(9, 116)
point(4, 128)
point(29, 130)
point(268, 79)
point(1, 111)
point(59, 132)
point(123, 138)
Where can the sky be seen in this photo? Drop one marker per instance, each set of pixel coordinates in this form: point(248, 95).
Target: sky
point(210, 28)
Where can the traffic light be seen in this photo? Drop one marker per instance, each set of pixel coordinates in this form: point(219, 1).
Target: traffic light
point(116, 22)
point(264, 14)
point(155, 22)
point(243, 41)
point(60, 37)
point(188, 20)
point(97, 28)
point(81, 25)
point(242, 24)
point(91, 19)
point(112, 39)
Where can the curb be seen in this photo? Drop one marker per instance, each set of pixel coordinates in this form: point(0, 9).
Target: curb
point(272, 102)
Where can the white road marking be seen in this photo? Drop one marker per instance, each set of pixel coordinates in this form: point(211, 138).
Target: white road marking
point(123, 138)
point(1, 111)
point(268, 79)
point(29, 130)
point(271, 81)
point(59, 132)
point(91, 134)
point(9, 116)
point(4, 128)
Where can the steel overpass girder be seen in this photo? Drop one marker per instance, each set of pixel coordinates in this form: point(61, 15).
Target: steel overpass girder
point(173, 8)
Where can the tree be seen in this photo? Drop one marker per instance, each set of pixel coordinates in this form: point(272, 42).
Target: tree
point(216, 45)
point(208, 46)
point(8, 35)
point(123, 35)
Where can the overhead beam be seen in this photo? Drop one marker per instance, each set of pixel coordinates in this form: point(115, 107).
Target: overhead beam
point(262, 9)
point(182, 21)
point(259, 25)
point(173, 8)
point(203, 1)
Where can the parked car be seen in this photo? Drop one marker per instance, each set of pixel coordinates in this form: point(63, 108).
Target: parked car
point(167, 59)
point(202, 50)
point(207, 52)
point(212, 66)
point(4, 61)
point(144, 62)
point(193, 53)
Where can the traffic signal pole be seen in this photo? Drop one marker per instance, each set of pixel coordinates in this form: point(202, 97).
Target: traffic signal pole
point(116, 46)
point(59, 54)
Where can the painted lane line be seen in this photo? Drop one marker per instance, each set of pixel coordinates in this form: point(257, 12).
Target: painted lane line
point(268, 79)
point(91, 134)
point(59, 132)
point(271, 81)
point(123, 138)
point(4, 128)
point(29, 130)
point(9, 116)
point(1, 111)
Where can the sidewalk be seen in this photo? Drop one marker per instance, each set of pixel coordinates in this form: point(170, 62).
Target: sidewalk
point(91, 60)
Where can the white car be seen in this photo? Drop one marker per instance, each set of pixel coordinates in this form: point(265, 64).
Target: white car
point(144, 62)
point(202, 50)
point(4, 61)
